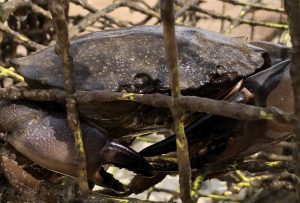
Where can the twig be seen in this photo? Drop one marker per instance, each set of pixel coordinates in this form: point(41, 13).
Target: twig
point(241, 21)
point(250, 166)
point(266, 180)
point(261, 166)
point(22, 39)
point(197, 184)
point(221, 197)
point(92, 9)
point(38, 9)
point(244, 11)
point(293, 10)
point(222, 20)
point(118, 22)
point(9, 7)
point(186, 7)
point(254, 6)
point(209, 170)
point(288, 145)
point(85, 4)
point(274, 157)
point(188, 103)
point(147, 18)
point(92, 18)
point(142, 10)
point(99, 198)
point(22, 181)
point(63, 49)
point(170, 44)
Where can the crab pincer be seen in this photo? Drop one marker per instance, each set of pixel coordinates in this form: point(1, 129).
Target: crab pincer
point(43, 136)
point(225, 138)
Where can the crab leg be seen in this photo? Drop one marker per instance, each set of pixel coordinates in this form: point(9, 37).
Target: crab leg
point(42, 135)
point(206, 128)
point(255, 90)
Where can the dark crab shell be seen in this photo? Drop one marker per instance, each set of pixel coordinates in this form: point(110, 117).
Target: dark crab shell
point(112, 60)
point(133, 59)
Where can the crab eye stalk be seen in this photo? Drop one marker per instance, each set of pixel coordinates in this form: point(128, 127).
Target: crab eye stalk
point(141, 80)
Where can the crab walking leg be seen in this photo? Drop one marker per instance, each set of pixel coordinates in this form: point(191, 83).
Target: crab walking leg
point(207, 127)
point(44, 137)
point(266, 86)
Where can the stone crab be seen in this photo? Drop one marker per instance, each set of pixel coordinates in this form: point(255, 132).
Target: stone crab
point(40, 132)
point(133, 60)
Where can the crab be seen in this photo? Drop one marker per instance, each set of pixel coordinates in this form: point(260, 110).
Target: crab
point(214, 138)
point(133, 60)
point(40, 132)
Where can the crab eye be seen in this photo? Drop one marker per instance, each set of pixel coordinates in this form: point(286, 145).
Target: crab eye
point(141, 81)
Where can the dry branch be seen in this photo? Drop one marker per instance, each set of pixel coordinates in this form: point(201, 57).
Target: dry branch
point(62, 48)
point(255, 6)
point(22, 39)
point(242, 14)
point(186, 7)
point(30, 188)
point(293, 10)
point(188, 103)
point(92, 9)
point(240, 21)
point(171, 50)
point(270, 156)
point(92, 18)
point(140, 9)
point(9, 7)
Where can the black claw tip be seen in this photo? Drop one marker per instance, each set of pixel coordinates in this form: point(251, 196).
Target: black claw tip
point(124, 157)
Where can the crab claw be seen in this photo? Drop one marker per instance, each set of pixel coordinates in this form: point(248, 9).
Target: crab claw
point(208, 127)
point(270, 87)
point(124, 157)
point(41, 133)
